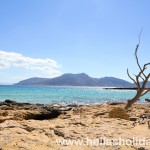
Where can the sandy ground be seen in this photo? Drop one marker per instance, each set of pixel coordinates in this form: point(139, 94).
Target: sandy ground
point(82, 128)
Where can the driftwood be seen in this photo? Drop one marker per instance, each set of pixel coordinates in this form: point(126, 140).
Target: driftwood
point(141, 87)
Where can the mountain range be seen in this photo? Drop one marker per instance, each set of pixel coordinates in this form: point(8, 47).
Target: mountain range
point(81, 79)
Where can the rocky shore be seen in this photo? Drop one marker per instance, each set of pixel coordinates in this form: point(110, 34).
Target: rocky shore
point(25, 126)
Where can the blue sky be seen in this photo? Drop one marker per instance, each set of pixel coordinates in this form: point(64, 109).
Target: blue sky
point(47, 38)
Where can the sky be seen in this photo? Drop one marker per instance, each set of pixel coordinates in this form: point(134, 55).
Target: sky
point(47, 38)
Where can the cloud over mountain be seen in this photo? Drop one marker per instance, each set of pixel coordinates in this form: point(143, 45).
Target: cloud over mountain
point(12, 59)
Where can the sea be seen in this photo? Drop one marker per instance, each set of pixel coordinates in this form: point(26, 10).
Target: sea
point(66, 95)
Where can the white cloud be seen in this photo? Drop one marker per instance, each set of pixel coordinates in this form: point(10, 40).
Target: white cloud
point(47, 66)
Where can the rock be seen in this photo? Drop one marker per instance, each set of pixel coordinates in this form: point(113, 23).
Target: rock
point(115, 103)
point(4, 113)
point(134, 118)
point(73, 105)
point(7, 101)
point(26, 111)
point(147, 100)
point(6, 107)
point(146, 115)
point(49, 134)
point(59, 133)
point(2, 119)
point(56, 105)
point(58, 126)
point(141, 148)
point(28, 128)
point(2, 103)
point(147, 111)
point(10, 101)
point(65, 108)
point(43, 115)
point(99, 114)
point(23, 146)
point(78, 123)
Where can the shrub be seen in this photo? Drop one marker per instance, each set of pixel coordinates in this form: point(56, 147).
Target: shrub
point(118, 113)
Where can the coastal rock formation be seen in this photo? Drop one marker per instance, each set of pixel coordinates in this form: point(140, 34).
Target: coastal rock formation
point(11, 110)
point(87, 127)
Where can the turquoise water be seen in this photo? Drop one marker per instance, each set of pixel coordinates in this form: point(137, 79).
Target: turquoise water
point(65, 95)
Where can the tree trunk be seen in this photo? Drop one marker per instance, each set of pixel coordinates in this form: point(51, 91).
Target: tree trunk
point(134, 100)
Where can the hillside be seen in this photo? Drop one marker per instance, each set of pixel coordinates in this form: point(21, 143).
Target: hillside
point(32, 81)
point(113, 82)
point(81, 79)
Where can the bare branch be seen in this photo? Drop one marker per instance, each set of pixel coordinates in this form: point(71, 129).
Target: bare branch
point(145, 65)
point(145, 93)
point(145, 81)
point(142, 71)
point(141, 77)
point(137, 81)
point(131, 78)
point(136, 57)
point(136, 50)
point(137, 61)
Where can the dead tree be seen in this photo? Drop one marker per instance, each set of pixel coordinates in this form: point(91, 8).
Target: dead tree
point(141, 88)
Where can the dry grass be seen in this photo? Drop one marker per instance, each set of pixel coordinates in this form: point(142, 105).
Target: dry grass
point(118, 113)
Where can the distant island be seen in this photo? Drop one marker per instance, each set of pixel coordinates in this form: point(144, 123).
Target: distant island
point(81, 79)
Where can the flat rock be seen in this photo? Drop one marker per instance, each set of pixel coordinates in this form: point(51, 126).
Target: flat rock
point(134, 118)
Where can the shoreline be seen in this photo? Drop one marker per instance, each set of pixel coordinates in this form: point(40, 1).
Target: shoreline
point(76, 103)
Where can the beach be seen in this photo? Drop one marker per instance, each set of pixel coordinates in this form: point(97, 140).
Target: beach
point(74, 75)
point(86, 127)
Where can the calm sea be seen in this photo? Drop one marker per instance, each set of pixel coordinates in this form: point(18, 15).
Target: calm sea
point(65, 95)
